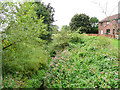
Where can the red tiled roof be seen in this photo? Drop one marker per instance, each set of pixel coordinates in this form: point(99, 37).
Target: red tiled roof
point(113, 17)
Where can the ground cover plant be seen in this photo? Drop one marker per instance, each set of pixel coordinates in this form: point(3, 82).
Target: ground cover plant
point(86, 62)
point(92, 64)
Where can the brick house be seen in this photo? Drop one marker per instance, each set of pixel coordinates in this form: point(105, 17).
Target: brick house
point(107, 25)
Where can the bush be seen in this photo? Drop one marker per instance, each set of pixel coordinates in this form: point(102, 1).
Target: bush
point(36, 80)
point(76, 37)
point(24, 58)
point(60, 41)
point(63, 40)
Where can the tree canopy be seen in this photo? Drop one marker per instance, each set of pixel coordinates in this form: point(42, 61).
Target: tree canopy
point(80, 22)
point(47, 11)
point(65, 28)
point(23, 24)
point(94, 25)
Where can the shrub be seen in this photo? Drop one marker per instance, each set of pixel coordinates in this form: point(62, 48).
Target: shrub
point(24, 58)
point(76, 37)
point(60, 41)
point(36, 80)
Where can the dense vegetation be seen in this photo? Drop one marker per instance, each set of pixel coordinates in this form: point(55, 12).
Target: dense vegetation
point(81, 23)
point(94, 25)
point(84, 24)
point(47, 11)
point(69, 60)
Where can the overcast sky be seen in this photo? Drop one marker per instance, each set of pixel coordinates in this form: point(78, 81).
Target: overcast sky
point(66, 9)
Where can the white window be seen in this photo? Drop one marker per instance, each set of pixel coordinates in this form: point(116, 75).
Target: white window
point(101, 31)
point(108, 22)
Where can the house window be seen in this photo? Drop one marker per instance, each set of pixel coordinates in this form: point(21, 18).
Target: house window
point(101, 23)
point(107, 31)
point(119, 20)
point(108, 22)
point(101, 31)
point(113, 31)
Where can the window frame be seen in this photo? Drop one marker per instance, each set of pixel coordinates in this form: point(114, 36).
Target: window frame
point(108, 22)
point(107, 31)
point(113, 31)
point(101, 31)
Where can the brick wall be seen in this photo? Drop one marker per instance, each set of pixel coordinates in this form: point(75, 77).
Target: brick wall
point(92, 34)
point(109, 26)
point(110, 36)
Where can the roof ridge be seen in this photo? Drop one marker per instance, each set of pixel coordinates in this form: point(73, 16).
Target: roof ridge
point(112, 17)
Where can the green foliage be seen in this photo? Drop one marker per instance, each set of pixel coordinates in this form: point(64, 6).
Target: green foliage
point(115, 42)
point(55, 29)
point(24, 58)
point(78, 61)
point(76, 37)
point(26, 27)
point(94, 25)
point(80, 21)
point(91, 64)
point(22, 49)
point(13, 81)
point(65, 28)
point(47, 11)
point(60, 41)
point(94, 21)
point(36, 80)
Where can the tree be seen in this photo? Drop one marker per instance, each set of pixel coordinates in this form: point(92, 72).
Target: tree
point(22, 49)
point(55, 29)
point(47, 11)
point(23, 24)
point(80, 22)
point(65, 28)
point(94, 25)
